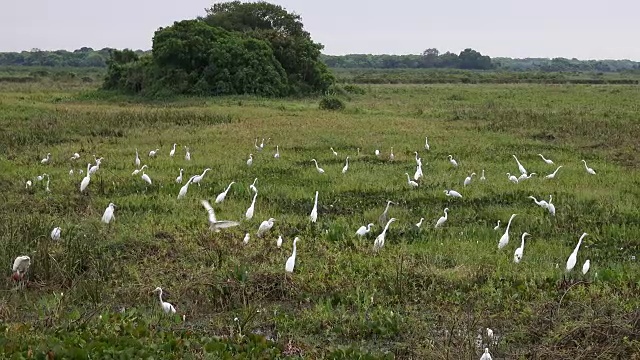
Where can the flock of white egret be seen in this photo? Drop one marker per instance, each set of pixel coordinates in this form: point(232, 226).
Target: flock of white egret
point(22, 263)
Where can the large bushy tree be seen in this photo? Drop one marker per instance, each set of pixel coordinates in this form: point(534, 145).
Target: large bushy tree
point(238, 48)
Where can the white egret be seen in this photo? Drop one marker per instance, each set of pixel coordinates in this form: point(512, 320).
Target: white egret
point(571, 261)
point(28, 184)
point(166, 307)
point(146, 178)
point(486, 355)
point(411, 183)
point(198, 178)
point(453, 193)
point(551, 207)
point(382, 220)
point(319, 169)
point(279, 242)
point(442, 218)
point(314, 212)
point(252, 187)
point(586, 266)
point(215, 224)
point(418, 174)
point(520, 167)
point(179, 178)
point(504, 240)
point(250, 210)
point(391, 156)
point(173, 150)
point(262, 144)
point(108, 214)
point(291, 261)
point(185, 188)
point(548, 161)
point(153, 153)
point(255, 145)
point(20, 267)
point(55, 233)
point(419, 224)
point(379, 241)
point(250, 160)
point(71, 172)
point(364, 230)
point(489, 334)
point(346, 166)
point(334, 152)
point(46, 159)
point(95, 167)
point(453, 161)
point(467, 180)
point(265, 226)
point(75, 156)
point(137, 161)
point(220, 198)
point(426, 143)
point(553, 174)
point(137, 171)
point(497, 226)
point(522, 177)
point(277, 154)
point(377, 152)
point(247, 237)
point(482, 178)
point(418, 159)
point(512, 178)
point(85, 181)
point(517, 255)
point(187, 154)
point(543, 204)
point(589, 170)
point(40, 177)
point(47, 186)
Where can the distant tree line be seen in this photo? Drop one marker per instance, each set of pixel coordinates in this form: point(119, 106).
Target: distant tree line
point(468, 59)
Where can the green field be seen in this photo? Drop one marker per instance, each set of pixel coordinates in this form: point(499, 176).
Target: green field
point(427, 294)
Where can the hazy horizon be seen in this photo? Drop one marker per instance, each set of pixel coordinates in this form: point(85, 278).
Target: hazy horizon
point(498, 28)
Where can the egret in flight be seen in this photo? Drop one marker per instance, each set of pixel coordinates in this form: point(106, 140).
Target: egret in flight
point(215, 224)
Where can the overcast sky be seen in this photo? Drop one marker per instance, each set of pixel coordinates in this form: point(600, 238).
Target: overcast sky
point(583, 29)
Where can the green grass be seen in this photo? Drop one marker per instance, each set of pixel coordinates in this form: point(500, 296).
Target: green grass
point(426, 294)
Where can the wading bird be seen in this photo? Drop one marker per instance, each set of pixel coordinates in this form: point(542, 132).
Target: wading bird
point(453, 161)
point(426, 143)
point(179, 178)
point(75, 156)
point(95, 167)
point(277, 154)
point(187, 154)
point(543, 204)
point(482, 178)
point(467, 180)
point(418, 174)
point(442, 218)
point(391, 156)
point(137, 171)
point(497, 226)
point(314, 212)
point(247, 237)
point(363, 230)
point(153, 153)
point(46, 159)
point(551, 207)
point(573, 258)
point(548, 161)
point(411, 183)
point(486, 355)
point(419, 224)
point(553, 174)
point(453, 193)
point(108, 214)
point(166, 307)
point(173, 150)
point(250, 160)
point(20, 267)
point(346, 166)
point(382, 220)
point(334, 152)
point(379, 241)
point(185, 188)
point(85, 181)
point(250, 210)
point(589, 170)
point(279, 242)
point(520, 167)
point(252, 187)
point(198, 178)
point(215, 224)
point(137, 161)
point(55, 233)
point(146, 178)
point(504, 240)
point(291, 261)
point(517, 255)
point(377, 152)
point(265, 226)
point(512, 178)
point(586, 266)
point(220, 198)
point(319, 169)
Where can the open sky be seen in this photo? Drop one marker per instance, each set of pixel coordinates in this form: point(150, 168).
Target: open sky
point(583, 29)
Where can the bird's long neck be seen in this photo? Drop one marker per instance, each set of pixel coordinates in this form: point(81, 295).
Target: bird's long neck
point(509, 224)
point(160, 296)
point(294, 249)
point(445, 215)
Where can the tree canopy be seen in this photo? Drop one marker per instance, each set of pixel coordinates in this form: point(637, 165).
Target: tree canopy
point(237, 48)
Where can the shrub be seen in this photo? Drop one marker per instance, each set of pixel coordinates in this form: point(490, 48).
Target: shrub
point(354, 89)
point(331, 103)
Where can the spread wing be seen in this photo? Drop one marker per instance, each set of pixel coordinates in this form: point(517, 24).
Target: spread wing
point(209, 208)
point(222, 224)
